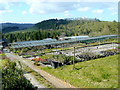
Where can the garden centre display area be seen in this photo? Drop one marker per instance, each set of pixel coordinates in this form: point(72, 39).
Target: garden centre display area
point(60, 52)
point(46, 42)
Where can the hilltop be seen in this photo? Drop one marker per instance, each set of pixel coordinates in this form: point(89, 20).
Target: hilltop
point(10, 27)
point(54, 28)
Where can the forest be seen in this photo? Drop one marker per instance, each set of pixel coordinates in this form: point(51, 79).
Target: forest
point(55, 28)
point(11, 27)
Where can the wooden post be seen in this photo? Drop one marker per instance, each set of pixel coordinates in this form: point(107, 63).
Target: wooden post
point(74, 60)
point(62, 47)
point(57, 55)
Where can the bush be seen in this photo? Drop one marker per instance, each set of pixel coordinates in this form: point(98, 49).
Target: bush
point(64, 59)
point(88, 55)
point(110, 52)
point(12, 78)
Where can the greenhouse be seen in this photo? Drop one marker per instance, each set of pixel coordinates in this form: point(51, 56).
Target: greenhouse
point(50, 41)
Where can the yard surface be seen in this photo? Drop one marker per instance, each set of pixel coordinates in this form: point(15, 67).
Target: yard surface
point(97, 73)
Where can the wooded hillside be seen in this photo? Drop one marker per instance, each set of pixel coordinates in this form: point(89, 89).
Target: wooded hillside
point(54, 28)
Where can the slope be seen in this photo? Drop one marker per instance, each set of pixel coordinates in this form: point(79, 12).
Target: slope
point(98, 73)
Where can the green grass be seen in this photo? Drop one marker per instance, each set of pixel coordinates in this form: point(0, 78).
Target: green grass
point(3, 63)
point(98, 73)
point(47, 56)
point(38, 77)
point(42, 80)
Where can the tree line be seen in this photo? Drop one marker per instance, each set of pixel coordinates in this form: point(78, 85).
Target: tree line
point(54, 28)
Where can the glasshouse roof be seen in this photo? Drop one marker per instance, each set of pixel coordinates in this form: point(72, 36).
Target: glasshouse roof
point(36, 41)
point(50, 41)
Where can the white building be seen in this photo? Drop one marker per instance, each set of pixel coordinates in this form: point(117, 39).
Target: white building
point(73, 37)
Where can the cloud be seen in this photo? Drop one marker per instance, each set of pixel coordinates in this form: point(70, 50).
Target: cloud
point(73, 0)
point(5, 8)
point(9, 1)
point(98, 11)
point(111, 8)
point(24, 12)
point(114, 13)
point(67, 13)
point(2, 8)
point(84, 17)
point(43, 7)
point(52, 6)
point(48, 6)
point(6, 4)
point(83, 9)
point(5, 11)
point(9, 11)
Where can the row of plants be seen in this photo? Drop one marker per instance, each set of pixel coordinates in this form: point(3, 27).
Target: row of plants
point(85, 56)
point(90, 55)
point(61, 58)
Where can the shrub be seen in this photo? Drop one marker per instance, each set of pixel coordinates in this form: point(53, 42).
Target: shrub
point(88, 55)
point(12, 77)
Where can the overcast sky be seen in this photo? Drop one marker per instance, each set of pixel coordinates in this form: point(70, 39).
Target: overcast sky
point(33, 11)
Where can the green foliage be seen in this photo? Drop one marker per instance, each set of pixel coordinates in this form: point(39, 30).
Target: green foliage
point(42, 80)
point(2, 54)
point(7, 29)
point(54, 28)
point(63, 58)
point(27, 56)
point(51, 24)
point(60, 58)
point(97, 73)
point(12, 77)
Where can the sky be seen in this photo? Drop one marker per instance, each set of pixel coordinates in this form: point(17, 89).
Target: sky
point(34, 11)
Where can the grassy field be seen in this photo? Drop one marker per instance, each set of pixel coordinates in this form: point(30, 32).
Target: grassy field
point(98, 73)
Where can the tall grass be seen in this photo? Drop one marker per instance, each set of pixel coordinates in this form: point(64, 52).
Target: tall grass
point(97, 73)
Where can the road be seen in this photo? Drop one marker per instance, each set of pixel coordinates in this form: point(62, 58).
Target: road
point(58, 83)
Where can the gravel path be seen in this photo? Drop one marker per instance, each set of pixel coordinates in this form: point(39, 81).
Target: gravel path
point(58, 83)
point(29, 76)
point(33, 81)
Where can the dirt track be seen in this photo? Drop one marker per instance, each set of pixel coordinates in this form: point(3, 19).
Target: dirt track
point(32, 79)
point(52, 79)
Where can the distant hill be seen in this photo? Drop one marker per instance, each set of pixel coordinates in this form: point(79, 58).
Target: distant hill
point(79, 26)
point(53, 24)
point(55, 28)
point(10, 27)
